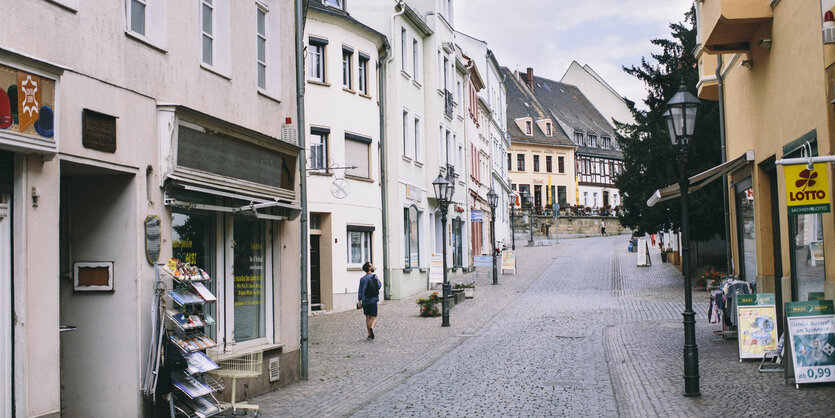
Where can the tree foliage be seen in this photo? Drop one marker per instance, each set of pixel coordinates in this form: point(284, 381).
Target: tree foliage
point(650, 162)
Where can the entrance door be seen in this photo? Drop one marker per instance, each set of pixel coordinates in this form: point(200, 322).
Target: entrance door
point(315, 274)
point(605, 199)
point(457, 245)
point(5, 304)
point(746, 231)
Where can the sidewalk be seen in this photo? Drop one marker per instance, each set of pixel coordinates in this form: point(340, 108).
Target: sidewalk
point(346, 371)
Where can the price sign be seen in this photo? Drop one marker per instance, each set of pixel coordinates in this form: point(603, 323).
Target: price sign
point(812, 336)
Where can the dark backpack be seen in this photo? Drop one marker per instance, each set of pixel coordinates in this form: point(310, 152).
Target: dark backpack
point(372, 289)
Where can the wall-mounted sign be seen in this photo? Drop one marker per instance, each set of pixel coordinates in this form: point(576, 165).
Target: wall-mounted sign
point(93, 276)
point(98, 131)
point(436, 268)
point(757, 324)
point(152, 238)
point(807, 191)
point(413, 193)
point(27, 103)
point(476, 215)
point(812, 338)
point(482, 261)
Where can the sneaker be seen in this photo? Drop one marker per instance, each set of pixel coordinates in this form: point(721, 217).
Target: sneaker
point(369, 338)
point(371, 333)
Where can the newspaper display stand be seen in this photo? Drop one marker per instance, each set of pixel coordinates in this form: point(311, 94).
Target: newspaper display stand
point(192, 389)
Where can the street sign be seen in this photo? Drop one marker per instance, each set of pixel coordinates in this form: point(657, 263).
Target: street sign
point(757, 330)
point(807, 191)
point(812, 339)
point(476, 215)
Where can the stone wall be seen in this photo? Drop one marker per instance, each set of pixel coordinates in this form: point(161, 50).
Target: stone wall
point(569, 225)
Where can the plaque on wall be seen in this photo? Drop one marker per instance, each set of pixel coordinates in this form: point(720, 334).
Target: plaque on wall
point(98, 131)
point(152, 238)
point(93, 276)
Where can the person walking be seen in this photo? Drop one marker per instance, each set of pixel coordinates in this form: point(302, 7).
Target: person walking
point(368, 296)
point(602, 227)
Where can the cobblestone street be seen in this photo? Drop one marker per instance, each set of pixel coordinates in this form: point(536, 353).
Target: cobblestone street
point(578, 331)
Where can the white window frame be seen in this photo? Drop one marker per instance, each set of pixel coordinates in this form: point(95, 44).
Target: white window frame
point(155, 28)
point(403, 55)
point(261, 63)
point(226, 320)
point(418, 148)
point(322, 165)
point(144, 4)
point(405, 133)
point(362, 75)
point(204, 35)
point(347, 67)
point(337, 4)
point(317, 60)
point(415, 59)
point(366, 238)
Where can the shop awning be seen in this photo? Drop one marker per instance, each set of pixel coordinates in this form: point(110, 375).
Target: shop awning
point(702, 179)
point(288, 210)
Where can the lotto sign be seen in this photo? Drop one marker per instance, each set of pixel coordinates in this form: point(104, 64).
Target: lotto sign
point(756, 325)
point(807, 191)
point(812, 336)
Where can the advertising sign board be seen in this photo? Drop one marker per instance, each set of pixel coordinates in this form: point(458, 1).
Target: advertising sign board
point(812, 337)
point(807, 191)
point(757, 324)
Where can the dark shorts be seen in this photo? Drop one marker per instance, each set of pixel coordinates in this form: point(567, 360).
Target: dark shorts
point(370, 310)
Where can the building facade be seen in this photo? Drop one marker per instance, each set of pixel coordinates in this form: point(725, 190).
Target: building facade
point(343, 118)
point(598, 158)
point(162, 137)
point(773, 113)
point(540, 159)
point(602, 95)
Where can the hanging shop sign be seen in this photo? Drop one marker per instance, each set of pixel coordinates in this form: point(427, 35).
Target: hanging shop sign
point(476, 215)
point(807, 191)
point(812, 338)
point(152, 238)
point(757, 324)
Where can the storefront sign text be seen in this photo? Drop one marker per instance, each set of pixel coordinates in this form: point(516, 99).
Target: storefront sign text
point(807, 191)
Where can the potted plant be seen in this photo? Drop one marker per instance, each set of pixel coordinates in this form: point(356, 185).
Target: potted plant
point(467, 288)
point(429, 305)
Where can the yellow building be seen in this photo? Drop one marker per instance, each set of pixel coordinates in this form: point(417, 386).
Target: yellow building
point(775, 83)
point(540, 159)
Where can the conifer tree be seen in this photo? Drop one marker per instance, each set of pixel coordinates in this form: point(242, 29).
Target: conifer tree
point(650, 162)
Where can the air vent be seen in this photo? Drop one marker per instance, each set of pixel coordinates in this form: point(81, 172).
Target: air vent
point(274, 370)
point(289, 135)
point(829, 35)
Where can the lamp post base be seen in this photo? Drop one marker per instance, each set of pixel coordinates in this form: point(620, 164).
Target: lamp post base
point(447, 290)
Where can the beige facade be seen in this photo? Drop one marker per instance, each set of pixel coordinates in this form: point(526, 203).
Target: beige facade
point(777, 93)
point(536, 176)
point(136, 117)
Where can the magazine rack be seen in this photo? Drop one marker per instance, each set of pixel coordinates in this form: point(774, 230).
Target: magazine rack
point(186, 343)
point(247, 365)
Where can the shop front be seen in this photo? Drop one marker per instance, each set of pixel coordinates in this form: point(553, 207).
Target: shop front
point(231, 196)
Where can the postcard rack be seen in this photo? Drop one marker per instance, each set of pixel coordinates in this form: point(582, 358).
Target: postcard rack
point(192, 388)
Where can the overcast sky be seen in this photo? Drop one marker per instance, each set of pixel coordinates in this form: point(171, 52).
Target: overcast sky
point(548, 34)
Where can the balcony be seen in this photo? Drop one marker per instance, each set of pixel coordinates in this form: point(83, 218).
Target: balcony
point(729, 25)
point(448, 103)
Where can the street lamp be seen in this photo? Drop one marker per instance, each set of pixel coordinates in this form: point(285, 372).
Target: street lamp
point(681, 119)
point(513, 219)
point(527, 201)
point(493, 201)
point(443, 192)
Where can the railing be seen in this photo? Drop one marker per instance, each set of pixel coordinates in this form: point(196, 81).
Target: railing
point(448, 103)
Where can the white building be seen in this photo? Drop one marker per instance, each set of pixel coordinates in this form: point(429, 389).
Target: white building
point(424, 134)
point(343, 118)
point(154, 131)
point(493, 98)
point(602, 95)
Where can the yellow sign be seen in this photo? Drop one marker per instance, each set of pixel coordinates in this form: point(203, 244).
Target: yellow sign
point(757, 331)
point(807, 191)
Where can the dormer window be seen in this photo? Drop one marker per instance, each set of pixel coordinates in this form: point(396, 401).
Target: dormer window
point(578, 138)
point(339, 4)
point(548, 129)
point(528, 127)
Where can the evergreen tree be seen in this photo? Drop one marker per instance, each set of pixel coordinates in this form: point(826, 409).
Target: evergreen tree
point(651, 163)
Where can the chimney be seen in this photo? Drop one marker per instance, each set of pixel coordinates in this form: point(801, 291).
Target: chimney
point(529, 78)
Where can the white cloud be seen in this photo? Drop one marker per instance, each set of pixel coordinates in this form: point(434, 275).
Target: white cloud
point(548, 34)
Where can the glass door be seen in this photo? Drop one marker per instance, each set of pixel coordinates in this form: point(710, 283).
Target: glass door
point(248, 276)
point(746, 231)
point(807, 256)
point(193, 242)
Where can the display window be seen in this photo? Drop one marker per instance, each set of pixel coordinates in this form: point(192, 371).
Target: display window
point(236, 253)
point(807, 256)
point(746, 231)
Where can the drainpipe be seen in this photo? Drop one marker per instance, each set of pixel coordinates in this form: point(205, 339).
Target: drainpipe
point(381, 92)
point(385, 60)
point(721, 88)
point(303, 244)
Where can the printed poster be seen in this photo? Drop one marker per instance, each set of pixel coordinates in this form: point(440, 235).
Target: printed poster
point(436, 268)
point(812, 337)
point(757, 325)
point(509, 261)
point(27, 103)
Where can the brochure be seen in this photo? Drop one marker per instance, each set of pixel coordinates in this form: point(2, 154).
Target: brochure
point(203, 291)
point(202, 407)
point(184, 297)
point(190, 385)
point(199, 362)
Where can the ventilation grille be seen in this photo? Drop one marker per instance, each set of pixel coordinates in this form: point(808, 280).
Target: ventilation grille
point(289, 135)
point(274, 370)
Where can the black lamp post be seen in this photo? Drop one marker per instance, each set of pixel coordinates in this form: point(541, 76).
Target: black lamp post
point(443, 192)
point(681, 119)
point(493, 201)
point(527, 202)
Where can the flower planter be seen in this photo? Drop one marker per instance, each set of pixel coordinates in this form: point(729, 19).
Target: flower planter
point(458, 295)
point(469, 292)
